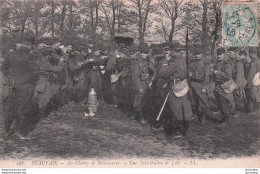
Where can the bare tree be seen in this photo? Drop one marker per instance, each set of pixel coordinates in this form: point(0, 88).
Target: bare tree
point(52, 18)
point(112, 10)
point(71, 15)
point(162, 29)
point(204, 38)
point(63, 15)
point(143, 9)
point(106, 11)
point(171, 10)
point(216, 10)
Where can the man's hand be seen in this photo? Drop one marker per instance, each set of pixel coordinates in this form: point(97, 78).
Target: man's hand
point(215, 71)
point(79, 64)
point(165, 85)
point(203, 91)
point(190, 74)
point(141, 91)
point(62, 59)
point(150, 85)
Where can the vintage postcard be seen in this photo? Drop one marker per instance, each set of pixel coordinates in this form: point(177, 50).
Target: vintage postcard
point(129, 84)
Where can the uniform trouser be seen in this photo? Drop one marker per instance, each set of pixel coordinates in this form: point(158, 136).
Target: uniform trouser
point(200, 107)
point(180, 107)
point(20, 107)
point(60, 99)
point(79, 92)
point(113, 88)
point(223, 104)
point(240, 103)
point(251, 104)
point(138, 102)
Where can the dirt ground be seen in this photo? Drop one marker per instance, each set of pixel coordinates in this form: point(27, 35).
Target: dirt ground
point(112, 134)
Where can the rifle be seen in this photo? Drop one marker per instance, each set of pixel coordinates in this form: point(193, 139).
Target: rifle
point(160, 113)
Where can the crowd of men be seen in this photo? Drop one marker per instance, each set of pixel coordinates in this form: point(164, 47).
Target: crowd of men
point(41, 79)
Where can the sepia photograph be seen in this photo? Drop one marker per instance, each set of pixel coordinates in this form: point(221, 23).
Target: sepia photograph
point(129, 83)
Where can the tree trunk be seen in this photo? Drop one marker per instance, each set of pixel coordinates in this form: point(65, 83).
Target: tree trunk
point(36, 10)
point(52, 18)
point(63, 14)
point(204, 40)
point(215, 36)
point(71, 16)
point(145, 20)
point(187, 53)
point(118, 16)
point(92, 17)
point(140, 23)
point(23, 26)
point(96, 23)
point(114, 20)
point(172, 31)
point(173, 20)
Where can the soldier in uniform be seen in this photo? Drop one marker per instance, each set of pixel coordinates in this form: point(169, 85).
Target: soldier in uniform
point(253, 94)
point(239, 77)
point(175, 72)
point(161, 86)
point(62, 79)
point(48, 85)
point(118, 78)
point(95, 80)
point(199, 73)
point(20, 69)
point(109, 63)
point(76, 68)
point(141, 79)
point(222, 73)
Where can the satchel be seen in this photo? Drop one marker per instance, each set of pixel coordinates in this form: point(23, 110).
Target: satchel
point(229, 86)
point(180, 89)
point(145, 76)
point(256, 80)
point(114, 78)
point(5, 92)
point(41, 84)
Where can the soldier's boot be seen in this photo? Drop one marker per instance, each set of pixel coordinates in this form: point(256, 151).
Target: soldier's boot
point(141, 117)
point(224, 121)
point(202, 118)
point(134, 116)
point(114, 105)
point(185, 127)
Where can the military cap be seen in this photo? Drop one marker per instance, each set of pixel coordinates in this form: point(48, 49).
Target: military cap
point(166, 48)
point(47, 50)
point(232, 49)
point(143, 49)
point(157, 51)
point(242, 52)
point(252, 50)
point(178, 49)
point(56, 45)
point(197, 51)
point(29, 37)
point(221, 50)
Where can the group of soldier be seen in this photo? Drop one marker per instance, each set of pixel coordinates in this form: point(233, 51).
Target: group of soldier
point(41, 79)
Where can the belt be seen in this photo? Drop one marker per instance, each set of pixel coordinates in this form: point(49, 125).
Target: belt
point(177, 80)
point(197, 80)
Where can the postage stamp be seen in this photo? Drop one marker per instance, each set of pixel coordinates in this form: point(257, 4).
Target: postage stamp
point(239, 24)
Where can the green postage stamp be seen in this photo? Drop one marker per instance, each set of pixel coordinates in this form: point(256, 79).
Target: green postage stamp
point(240, 24)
